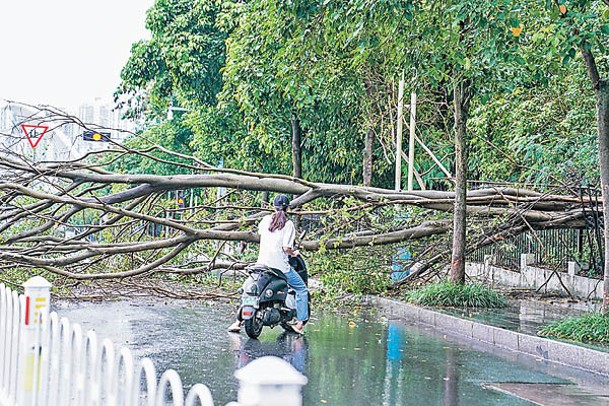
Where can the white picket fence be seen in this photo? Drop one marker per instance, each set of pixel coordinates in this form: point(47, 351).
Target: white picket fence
point(48, 361)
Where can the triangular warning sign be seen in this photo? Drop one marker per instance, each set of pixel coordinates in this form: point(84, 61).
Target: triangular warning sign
point(34, 133)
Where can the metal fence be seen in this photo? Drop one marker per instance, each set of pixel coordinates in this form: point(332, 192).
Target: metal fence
point(48, 361)
point(551, 248)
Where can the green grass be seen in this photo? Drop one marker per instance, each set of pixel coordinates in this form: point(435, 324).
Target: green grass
point(449, 294)
point(591, 328)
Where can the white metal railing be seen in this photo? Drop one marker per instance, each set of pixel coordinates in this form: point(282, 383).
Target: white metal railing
point(9, 344)
point(48, 361)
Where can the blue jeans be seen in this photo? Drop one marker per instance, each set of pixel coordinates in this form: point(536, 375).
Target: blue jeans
point(302, 294)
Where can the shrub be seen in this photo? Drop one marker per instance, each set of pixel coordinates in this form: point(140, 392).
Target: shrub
point(349, 274)
point(591, 328)
point(449, 294)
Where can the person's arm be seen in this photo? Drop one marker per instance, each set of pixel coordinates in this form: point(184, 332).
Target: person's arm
point(291, 251)
point(288, 240)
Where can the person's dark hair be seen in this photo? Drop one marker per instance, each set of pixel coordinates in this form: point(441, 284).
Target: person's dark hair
point(280, 216)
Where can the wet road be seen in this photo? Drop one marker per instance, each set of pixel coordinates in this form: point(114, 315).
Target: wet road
point(361, 359)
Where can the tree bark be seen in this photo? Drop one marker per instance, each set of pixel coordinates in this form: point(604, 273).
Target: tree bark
point(368, 147)
point(461, 105)
point(602, 97)
point(601, 90)
point(371, 91)
point(296, 147)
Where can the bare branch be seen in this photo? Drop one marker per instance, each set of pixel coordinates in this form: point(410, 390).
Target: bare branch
point(77, 219)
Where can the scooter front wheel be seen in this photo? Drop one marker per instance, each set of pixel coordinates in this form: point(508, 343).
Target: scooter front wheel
point(253, 326)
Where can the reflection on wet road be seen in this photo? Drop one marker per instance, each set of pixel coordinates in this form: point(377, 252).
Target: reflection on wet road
point(362, 359)
point(288, 346)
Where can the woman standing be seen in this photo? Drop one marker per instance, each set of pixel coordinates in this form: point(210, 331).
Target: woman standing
point(277, 235)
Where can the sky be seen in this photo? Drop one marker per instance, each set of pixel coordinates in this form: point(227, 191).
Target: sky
point(66, 52)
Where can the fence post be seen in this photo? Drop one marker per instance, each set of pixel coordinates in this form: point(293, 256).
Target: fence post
point(573, 268)
point(488, 273)
point(526, 260)
point(37, 292)
point(270, 381)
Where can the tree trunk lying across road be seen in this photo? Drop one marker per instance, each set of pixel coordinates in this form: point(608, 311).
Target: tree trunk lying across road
point(51, 199)
point(79, 220)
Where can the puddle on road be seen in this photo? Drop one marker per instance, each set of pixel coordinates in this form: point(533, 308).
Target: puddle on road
point(552, 394)
point(362, 359)
point(523, 316)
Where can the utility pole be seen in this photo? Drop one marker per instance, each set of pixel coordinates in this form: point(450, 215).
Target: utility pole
point(398, 140)
point(411, 143)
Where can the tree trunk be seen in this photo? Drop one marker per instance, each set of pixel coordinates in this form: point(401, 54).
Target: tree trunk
point(265, 199)
point(601, 89)
point(371, 91)
point(367, 173)
point(602, 107)
point(42, 227)
point(461, 104)
point(296, 147)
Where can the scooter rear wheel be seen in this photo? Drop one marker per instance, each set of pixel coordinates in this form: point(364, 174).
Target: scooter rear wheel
point(253, 326)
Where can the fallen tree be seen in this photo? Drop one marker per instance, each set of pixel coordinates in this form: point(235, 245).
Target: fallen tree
point(79, 220)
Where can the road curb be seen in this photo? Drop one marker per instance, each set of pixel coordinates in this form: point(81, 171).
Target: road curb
point(571, 355)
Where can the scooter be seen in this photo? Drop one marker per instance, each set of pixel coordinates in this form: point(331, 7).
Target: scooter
point(266, 299)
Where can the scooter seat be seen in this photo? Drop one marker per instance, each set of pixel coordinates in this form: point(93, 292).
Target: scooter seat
point(257, 268)
point(278, 273)
point(263, 268)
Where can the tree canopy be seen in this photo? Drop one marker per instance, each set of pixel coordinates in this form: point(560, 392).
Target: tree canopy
point(335, 68)
point(237, 94)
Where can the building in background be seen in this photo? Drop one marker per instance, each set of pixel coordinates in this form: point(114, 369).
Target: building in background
point(103, 114)
point(49, 134)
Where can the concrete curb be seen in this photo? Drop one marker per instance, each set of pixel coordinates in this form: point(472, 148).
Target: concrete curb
point(538, 347)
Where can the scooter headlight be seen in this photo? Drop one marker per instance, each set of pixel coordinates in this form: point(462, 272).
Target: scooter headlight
point(268, 293)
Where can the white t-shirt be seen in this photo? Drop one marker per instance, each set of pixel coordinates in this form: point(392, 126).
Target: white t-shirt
point(271, 244)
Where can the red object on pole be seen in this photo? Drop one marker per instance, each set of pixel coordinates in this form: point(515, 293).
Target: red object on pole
point(27, 310)
point(33, 135)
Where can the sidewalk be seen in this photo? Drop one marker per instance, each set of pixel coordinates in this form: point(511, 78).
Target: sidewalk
point(564, 353)
point(529, 315)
